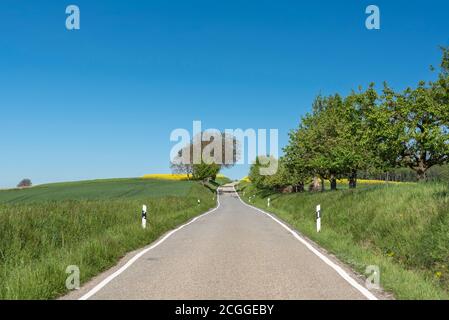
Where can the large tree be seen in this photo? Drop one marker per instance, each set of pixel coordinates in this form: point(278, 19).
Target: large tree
point(206, 155)
point(297, 158)
point(412, 127)
point(356, 149)
point(318, 140)
point(334, 140)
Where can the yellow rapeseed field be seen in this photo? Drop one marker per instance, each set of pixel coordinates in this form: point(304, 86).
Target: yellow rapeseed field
point(171, 176)
point(364, 181)
point(166, 176)
point(345, 181)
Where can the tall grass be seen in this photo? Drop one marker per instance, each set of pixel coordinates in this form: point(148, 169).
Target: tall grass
point(40, 238)
point(402, 228)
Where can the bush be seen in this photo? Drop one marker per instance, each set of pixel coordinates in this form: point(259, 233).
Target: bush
point(25, 183)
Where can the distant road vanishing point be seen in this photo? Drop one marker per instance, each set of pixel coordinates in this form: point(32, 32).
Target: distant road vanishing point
point(232, 252)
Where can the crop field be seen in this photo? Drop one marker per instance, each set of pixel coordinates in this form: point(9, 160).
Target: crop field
point(90, 224)
point(133, 188)
point(181, 177)
point(167, 176)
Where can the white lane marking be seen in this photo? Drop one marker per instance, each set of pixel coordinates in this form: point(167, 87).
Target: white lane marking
point(103, 283)
point(325, 259)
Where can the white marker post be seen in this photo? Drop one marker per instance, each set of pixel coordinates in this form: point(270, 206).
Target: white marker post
point(144, 216)
point(268, 204)
point(199, 201)
point(318, 218)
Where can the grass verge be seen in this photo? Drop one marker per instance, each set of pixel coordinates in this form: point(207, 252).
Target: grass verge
point(40, 236)
point(402, 228)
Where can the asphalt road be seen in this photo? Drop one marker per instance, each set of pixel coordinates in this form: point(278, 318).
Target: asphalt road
point(234, 252)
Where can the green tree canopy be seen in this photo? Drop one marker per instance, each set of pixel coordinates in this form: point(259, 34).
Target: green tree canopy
point(412, 127)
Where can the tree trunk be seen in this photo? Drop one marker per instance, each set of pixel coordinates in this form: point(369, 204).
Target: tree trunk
point(421, 174)
point(421, 171)
point(322, 184)
point(333, 181)
point(315, 185)
point(353, 180)
point(299, 187)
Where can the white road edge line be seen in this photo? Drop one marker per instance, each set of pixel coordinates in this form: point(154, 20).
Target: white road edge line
point(103, 283)
point(325, 259)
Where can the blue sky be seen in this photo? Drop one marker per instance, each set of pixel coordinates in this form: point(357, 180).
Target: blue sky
point(102, 101)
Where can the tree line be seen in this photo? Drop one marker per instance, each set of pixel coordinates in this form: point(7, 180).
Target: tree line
point(366, 133)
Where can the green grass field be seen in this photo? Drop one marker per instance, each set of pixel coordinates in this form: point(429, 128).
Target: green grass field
point(90, 224)
point(98, 190)
point(402, 228)
point(222, 180)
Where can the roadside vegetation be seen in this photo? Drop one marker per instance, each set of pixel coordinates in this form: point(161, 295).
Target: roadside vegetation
point(366, 134)
point(91, 224)
point(403, 228)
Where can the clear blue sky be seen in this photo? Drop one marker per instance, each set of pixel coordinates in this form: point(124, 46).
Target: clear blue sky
point(101, 102)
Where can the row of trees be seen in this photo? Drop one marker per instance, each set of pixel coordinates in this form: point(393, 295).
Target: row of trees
point(367, 131)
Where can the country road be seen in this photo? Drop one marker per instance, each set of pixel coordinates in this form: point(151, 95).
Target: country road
point(233, 252)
